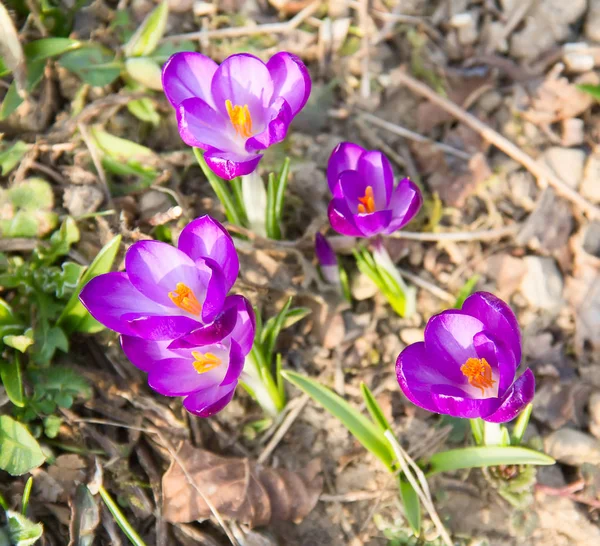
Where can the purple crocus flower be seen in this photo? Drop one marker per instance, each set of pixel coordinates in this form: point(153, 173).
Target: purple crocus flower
point(467, 365)
point(236, 109)
point(365, 202)
point(327, 260)
point(204, 366)
point(167, 292)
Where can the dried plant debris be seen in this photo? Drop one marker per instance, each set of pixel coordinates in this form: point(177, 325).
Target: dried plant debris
point(238, 488)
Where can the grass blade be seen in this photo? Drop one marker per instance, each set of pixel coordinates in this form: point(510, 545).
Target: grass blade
point(120, 518)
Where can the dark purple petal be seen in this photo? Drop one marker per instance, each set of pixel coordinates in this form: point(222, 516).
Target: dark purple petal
point(205, 237)
point(280, 116)
point(245, 326)
point(202, 127)
point(498, 355)
point(405, 204)
point(449, 341)
point(452, 401)
point(374, 223)
point(229, 165)
point(324, 251)
point(291, 80)
point(244, 80)
point(521, 394)
point(216, 290)
point(376, 170)
point(344, 157)
point(143, 353)
point(159, 327)
point(207, 403)
point(236, 365)
point(497, 317)
point(155, 268)
point(110, 296)
point(188, 74)
point(342, 219)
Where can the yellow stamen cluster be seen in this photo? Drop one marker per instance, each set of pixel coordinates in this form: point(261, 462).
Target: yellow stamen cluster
point(240, 119)
point(204, 362)
point(367, 202)
point(185, 299)
point(479, 373)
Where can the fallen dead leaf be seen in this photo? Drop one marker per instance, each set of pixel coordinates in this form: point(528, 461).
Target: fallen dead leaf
point(239, 488)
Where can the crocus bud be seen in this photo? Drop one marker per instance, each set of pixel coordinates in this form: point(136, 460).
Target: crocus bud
point(327, 260)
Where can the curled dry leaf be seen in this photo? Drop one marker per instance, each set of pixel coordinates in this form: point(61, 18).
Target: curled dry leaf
point(239, 488)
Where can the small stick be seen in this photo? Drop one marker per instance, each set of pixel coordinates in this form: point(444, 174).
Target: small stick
point(91, 146)
point(541, 172)
point(486, 235)
point(411, 135)
point(236, 32)
point(426, 285)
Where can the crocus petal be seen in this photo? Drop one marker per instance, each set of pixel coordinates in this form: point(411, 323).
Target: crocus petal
point(202, 127)
point(216, 290)
point(405, 204)
point(207, 403)
point(499, 356)
point(374, 223)
point(236, 365)
point(376, 170)
point(516, 399)
point(342, 219)
point(344, 157)
point(452, 401)
point(155, 268)
point(449, 341)
point(205, 237)
point(245, 325)
point(188, 74)
point(159, 327)
point(324, 252)
point(497, 317)
point(143, 353)
point(291, 80)
point(243, 79)
point(110, 296)
point(280, 116)
point(229, 165)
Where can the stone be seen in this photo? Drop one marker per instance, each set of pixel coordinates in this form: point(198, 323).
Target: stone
point(567, 164)
point(411, 335)
point(362, 287)
point(573, 132)
point(80, 200)
point(592, 21)
point(572, 447)
point(153, 202)
point(590, 186)
point(594, 411)
point(542, 284)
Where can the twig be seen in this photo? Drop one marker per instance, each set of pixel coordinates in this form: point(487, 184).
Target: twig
point(515, 18)
point(91, 146)
point(487, 235)
point(356, 496)
point(569, 492)
point(236, 32)
point(283, 428)
point(421, 488)
point(541, 172)
point(426, 285)
point(18, 245)
point(411, 135)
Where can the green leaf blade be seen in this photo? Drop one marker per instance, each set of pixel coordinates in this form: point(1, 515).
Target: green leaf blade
point(10, 373)
point(374, 408)
point(19, 450)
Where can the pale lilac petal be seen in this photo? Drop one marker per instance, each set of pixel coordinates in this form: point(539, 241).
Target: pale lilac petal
point(188, 74)
point(229, 165)
point(373, 223)
point(143, 353)
point(405, 204)
point(178, 377)
point(245, 325)
point(159, 327)
point(344, 157)
point(521, 394)
point(110, 296)
point(376, 170)
point(497, 317)
point(205, 237)
point(342, 219)
point(291, 80)
point(280, 117)
point(202, 127)
point(236, 365)
point(208, 402)
point(216, 290)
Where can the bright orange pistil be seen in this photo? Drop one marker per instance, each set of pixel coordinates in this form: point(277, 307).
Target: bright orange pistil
point(479, 373)
point(240, 118)
point(204, 362)
point(367, 202)
point(185, 299)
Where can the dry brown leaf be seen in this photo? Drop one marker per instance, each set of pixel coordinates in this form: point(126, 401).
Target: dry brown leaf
point(239, 488)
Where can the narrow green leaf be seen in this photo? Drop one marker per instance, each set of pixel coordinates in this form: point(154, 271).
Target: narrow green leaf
point(219, 187)
point(7, 315)
point(281, 187)
point(272, 329)
point(144, 71)
point(466, 291)
point(40, 50)
point(359, 426)
point(12, 99)
point(477, 457)
point(26, 495)
point(19, 451)
point(120, 518)
point(238, 196)
point(93, 64)
point(521, 425)
point(10, 373)
point(477, 426)
point(593, 90)
point(74, 312)
point(11, 157)
point(145, 110)
point(120, 148)
point(412, 506)
point(273, 230)
point(374, 408)
point(146, 37)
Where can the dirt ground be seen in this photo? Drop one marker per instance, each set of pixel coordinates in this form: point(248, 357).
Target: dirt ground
point(512, 174)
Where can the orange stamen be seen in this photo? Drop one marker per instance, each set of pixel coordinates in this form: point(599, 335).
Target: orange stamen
point(367, 202)
point(240, 118)
point(479, 373)
point(204, 362)
point(185, 299)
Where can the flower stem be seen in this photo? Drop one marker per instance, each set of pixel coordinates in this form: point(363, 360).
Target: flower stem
point(254, 196)
point(258, 381)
